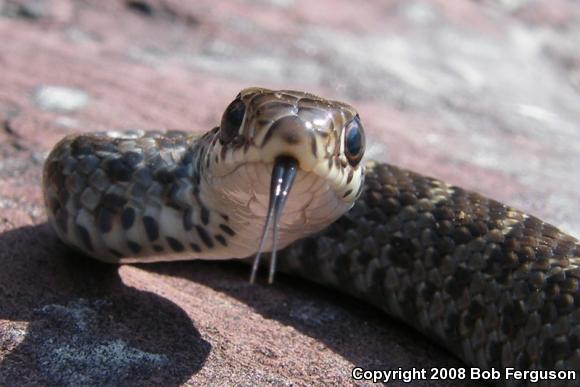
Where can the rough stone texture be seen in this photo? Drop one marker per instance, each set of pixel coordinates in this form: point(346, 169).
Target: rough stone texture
point(485, 94)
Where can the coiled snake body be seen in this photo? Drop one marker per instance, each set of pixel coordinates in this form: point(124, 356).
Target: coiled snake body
point(497, 287)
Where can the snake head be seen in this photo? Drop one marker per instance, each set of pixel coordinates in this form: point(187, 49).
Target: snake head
point(325, 137)
point(270, 138)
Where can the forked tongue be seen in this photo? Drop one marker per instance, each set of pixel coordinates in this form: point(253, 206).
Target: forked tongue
point(283, 175)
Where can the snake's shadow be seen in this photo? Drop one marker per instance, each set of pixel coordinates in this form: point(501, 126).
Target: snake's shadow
point(357, 332)
point(69, 320)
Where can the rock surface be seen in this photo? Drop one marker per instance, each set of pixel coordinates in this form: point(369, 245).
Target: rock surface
point(484, 94)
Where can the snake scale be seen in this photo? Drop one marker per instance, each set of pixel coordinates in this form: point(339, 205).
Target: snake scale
point(495, 286)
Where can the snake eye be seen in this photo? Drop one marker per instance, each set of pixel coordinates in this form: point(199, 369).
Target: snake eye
point(354, 141)
point(231, 120)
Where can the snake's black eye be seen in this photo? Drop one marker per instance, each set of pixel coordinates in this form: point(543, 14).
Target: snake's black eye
point(354, 141)
point(231, 120)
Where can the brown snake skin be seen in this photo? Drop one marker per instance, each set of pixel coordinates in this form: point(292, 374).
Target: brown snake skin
point(495, 286)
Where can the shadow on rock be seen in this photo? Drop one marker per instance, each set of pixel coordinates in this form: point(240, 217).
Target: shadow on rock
point(351, 328)
point(69, 320)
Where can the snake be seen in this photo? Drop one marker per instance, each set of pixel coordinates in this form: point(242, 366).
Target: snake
point(285, 173)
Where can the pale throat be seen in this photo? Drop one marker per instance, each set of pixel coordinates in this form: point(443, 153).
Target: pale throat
point(243, 197)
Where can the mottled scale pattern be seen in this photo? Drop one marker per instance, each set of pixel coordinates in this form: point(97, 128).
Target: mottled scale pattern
point(495, 286)
point(131, 194)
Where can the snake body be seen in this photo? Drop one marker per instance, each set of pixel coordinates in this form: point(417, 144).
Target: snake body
point(497, 287)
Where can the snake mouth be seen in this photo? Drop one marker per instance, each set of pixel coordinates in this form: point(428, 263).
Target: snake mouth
point(283, 174)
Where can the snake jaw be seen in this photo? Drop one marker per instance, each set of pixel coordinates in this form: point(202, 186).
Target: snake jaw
point(283, 175)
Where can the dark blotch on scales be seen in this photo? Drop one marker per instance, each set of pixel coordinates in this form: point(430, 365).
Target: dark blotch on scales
point(151, 227)
point(204, 236)
point(221, 239)
point(118, 170)
point(127, 218)
point(225, 228)
point(134, 247)
point(175, 245)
